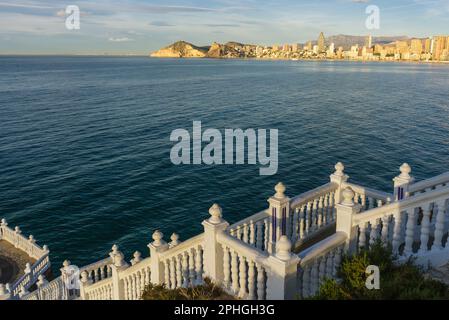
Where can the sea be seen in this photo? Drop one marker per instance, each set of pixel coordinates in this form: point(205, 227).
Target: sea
point(85, 141)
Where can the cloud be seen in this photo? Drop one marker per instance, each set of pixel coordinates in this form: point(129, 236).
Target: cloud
point(160, 24)
point(123, 39)
point(360, 1)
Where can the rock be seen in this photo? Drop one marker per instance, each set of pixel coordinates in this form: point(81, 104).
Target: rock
point(180, 49)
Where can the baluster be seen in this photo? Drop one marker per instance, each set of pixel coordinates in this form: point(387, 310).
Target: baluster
point(109, 270)
point(179, 271)
point(397, 233)
point(252, 234)
point(315, 215)
point(330, 264)
point(326, 218)
point(306, 281)
point(356, 197)
point(136, 287)
point(142, 282)
point(320, 212)
point(235, 272)
point(96, 275)
point(245, 233)
point(410, 232)
point(167, 273)
point(267, 230)
point(309, 217)
point(314, 277)
point(332, 205)
point(379, 203)
point(232, 232)
point(363, 202)
point(185, 270)
point(337, 261)
point(226, 268)
point(239, 233)
point(260, 283)
point(425, 229)
point(295, 225)
point(439, 225)
point(130, 296)
point(322, 269)
point(370, 203)
point(362, 236)
point(199, 265)
point(242, 272)
point(385, 229)
point(102, 273)
point(251, 280)
point(259, 234)
point(373, 232)
point(301, 222)
point(191, 268)
point(172, 273)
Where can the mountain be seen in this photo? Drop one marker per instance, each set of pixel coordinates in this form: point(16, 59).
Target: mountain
point(181, 49)
point(346, 41)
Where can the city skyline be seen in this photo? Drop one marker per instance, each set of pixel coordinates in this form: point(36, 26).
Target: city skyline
point(138, 27)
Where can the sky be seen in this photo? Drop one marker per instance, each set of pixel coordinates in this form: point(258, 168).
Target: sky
point(142, 26)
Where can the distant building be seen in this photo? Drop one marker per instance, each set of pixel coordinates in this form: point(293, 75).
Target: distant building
point(321, 43)
point(316, 49)
point(369, 41)
point(416, 46)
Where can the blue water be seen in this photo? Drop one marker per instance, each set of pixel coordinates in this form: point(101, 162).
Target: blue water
point(84, 141)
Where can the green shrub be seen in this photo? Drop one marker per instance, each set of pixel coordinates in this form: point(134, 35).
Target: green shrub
point(397, 281)
point(206, 291)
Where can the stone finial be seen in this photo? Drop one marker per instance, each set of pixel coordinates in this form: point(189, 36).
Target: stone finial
point(118, 259)
point(348, 197)
point(17, 230)
point(84, 277)
point(4, 223)
point(216, 214)
point(45, 248)
point(174, 240)
point(31, 239)
point(157, 238)
point(66, 263)
point(339, 169)
point(137, 258)
point(283, 248)
point(23, 292)
point(41, 281)
point(27, 268)
point(405, 171)
point(2, 289)
point(280, 191)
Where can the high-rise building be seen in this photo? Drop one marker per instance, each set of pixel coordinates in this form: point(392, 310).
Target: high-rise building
point(321, 43)
point(427, 45)
point(439, 45)
point(416, 46)
point(369, 41)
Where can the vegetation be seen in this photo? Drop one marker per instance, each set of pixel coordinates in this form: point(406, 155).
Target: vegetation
point(207, 291)
point(397, 281)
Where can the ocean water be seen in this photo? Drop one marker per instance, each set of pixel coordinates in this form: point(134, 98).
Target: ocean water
point(85, 150)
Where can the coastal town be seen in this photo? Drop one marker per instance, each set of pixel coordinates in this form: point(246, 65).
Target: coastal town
point(369, 48)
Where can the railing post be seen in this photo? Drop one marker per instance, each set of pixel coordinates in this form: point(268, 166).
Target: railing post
point(3, 226)
point(156, 248)
point(213, 252)
point(339, 178)
point(118, 265)
point(70, 280)
point(279, 212)
point(345, 213)
point(282, 272)
point(85, 282)
point(402, 182)
point(4, 292)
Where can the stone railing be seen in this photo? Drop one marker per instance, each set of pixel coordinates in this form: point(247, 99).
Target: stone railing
point(253, 258)
point(433, 183)
point(53, 290)
point(33, 250)
point(318, 262)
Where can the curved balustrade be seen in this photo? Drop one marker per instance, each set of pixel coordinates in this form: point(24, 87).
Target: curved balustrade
point(319, 262)
point(312, 211)
point(244, 269)
point(99, 270)
point(54, 290)
point(368, 198)
point(433, 183)
point(183, 264)
point(415, 225)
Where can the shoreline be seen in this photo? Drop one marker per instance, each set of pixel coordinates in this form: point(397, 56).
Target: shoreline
point(222, 58)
